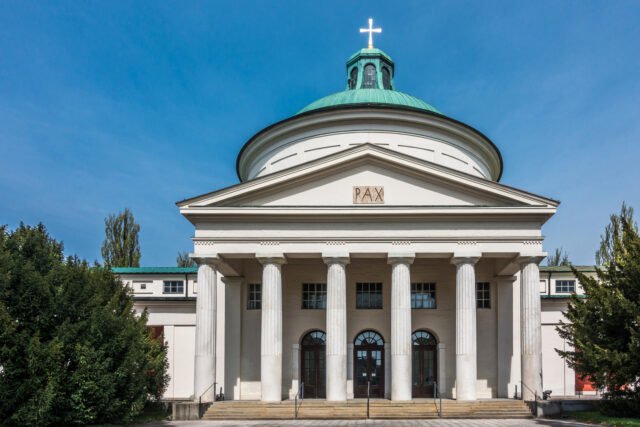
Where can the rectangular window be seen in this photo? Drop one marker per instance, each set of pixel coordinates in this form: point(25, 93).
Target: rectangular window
point(565, 286)
point(173, 287)
point(483, 295)
point(143, 286)
point(314, 295)
point(423, 295)
point(254, 296)
point(368, 295)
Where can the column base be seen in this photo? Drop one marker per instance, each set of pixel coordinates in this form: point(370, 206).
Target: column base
point(531, 377)
point(271, 378)
point(205, 375)
point(401, 377)
point(336, 377)
point(466, 377)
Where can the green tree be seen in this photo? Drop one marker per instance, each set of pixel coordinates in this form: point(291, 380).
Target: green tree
point(604, 329)
point(557, 258)
point(183, 260)
point(613, 234)
point(72, 349)
point(121, 247)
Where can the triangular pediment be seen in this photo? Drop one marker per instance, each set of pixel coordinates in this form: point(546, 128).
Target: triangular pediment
point(368, 176)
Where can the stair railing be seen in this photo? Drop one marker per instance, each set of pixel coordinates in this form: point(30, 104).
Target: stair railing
point(437, 395)
point(523, 385)
point(202, 394)
point(299, 394)
point(368, 396)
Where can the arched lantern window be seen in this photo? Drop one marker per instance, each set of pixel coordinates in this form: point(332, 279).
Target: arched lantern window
point(353, 78)
point(386, 78)
point(369, 77)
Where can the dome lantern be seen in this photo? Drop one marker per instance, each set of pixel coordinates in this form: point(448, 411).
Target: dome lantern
point(370, 69)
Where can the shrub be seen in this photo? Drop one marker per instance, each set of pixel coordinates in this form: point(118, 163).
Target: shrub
point(72, 349)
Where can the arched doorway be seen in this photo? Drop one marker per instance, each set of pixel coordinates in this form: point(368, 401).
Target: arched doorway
point(424, 360)
point(368, 355)
point(313, 351)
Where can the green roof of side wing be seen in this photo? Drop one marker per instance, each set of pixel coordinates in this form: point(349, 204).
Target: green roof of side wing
point(567, 268)
point(155, 270)
point(368, 97)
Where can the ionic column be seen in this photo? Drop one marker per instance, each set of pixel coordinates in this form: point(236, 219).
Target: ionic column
point(531, 328)
point(466, 359)
point(205, 360)
point(336, 346)
point(271, 328)
point(401, 326)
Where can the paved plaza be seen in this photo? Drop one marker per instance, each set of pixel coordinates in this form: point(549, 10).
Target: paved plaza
point(377, 423)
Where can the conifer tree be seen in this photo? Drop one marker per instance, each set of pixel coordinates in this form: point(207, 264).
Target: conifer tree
point(183, 260)
point(603, 329)
point(557, 258)
point(121, 247)
point(72, 349)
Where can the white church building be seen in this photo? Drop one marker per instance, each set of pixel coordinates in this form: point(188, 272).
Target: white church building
point(369, 243)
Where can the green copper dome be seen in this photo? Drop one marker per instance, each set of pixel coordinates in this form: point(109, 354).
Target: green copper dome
point(370, 75)
point(369, 96)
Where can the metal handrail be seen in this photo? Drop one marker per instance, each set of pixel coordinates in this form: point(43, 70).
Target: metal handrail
point(523, 385)
point(368, 395)
point(202, 394)
point(295, 402)
point(535, 396)
point(206, 390)
point(437, 395)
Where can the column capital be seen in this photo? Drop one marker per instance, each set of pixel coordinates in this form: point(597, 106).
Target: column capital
point(212, 260)
point(471, 257)
point(506, 279)
point(336, 258)
point(271, 258)
point(528, 258)
point(232, 280)
point(400, 257)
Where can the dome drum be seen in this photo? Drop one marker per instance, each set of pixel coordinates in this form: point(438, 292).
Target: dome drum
point(429, 137)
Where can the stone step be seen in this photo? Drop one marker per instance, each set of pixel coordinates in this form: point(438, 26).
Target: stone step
point(357, 409)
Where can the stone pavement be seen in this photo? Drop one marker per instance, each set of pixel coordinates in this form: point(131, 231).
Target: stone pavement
point(375, 423)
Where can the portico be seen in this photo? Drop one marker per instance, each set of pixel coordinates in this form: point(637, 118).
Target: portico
point(281, 325)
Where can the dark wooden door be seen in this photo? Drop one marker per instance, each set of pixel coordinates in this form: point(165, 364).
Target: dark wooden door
point(313, 366)
point(368, 362)
point(424, 361)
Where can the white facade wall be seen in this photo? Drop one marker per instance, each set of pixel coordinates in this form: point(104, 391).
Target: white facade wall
point(557, 375)
point(152, 285)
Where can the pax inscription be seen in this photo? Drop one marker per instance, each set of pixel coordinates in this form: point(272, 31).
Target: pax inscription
point(363, 195)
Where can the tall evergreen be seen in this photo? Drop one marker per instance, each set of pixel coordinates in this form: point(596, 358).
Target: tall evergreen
point(121, 247)
point(183, 260)
point(557, 258)
point(613, 234)
point(72, 349)
point(603, 329)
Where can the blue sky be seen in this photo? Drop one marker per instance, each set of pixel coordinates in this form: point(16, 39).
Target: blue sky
point(106, 105)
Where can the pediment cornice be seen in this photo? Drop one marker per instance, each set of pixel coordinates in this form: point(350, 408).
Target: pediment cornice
point(236, 199)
